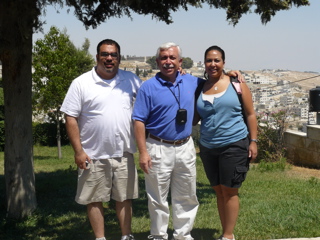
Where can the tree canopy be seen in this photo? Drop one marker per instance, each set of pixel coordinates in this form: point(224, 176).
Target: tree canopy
point(19, 19)
point(187, 63)
point(92, 13)
point(152, 62)
point(56, 62)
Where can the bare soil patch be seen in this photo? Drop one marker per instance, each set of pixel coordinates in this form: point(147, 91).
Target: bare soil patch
point(302, 172)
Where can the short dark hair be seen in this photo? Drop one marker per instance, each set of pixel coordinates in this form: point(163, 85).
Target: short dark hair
point(219, 49)
point(108, 42)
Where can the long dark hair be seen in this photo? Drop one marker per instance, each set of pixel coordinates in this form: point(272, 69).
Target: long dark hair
point(219, 49)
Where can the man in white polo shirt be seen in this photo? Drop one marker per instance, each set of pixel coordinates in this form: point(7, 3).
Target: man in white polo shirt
point(98, 108)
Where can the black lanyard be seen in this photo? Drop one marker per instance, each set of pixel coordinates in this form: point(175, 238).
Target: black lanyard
point(178, 101)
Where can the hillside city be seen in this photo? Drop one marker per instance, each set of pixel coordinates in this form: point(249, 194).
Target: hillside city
point(272, 90)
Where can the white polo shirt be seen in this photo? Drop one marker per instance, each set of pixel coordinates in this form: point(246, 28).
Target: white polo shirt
point(104, 112)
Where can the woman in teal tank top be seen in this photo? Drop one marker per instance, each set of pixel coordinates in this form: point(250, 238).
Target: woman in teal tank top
point(227, 143)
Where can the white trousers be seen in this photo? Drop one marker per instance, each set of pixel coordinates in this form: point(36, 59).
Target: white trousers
point(172, 167)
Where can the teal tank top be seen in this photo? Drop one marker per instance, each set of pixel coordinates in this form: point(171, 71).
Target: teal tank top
point(222, 122)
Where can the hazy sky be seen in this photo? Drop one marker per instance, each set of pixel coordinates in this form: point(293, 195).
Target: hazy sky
point(290, 41)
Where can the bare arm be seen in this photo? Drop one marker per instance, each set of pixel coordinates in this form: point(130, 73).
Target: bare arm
point(74, 136)
point(251, 120)
point(140, 133)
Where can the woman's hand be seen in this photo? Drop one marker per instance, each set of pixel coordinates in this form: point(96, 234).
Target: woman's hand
point(182, 71)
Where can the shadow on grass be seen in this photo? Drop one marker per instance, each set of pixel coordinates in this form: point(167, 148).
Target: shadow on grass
point(58, 216)
point(205, 193)
point(38, 157)
point(197, 234)
point(204, 234)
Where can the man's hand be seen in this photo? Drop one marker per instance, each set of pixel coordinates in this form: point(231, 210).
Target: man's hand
point(80, 159)
point(236, 73)
point(145, 162)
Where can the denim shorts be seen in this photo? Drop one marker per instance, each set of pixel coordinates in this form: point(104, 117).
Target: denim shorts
point(228, 165)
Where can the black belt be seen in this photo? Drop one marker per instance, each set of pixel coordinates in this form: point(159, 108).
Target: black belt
point(175, 142)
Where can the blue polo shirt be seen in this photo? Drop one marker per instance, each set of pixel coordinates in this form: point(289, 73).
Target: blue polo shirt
point(157, 107)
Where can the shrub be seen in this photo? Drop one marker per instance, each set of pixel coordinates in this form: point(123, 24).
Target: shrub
point(271, 128)
point(45, 134)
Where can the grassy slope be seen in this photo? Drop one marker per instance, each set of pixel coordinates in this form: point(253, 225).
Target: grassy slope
point(274, 205)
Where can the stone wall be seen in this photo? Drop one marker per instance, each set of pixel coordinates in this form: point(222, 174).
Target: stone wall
point(304, 148)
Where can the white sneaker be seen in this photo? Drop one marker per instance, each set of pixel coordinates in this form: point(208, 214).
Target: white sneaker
point(154, 237)
point(223, 238)
point(127, 237)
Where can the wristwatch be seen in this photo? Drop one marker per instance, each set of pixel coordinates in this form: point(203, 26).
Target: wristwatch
point(254, 140)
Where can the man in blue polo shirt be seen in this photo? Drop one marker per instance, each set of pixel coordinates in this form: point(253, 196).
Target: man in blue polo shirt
point(163, 114)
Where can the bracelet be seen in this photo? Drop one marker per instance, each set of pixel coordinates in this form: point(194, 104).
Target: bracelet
point(253, 140)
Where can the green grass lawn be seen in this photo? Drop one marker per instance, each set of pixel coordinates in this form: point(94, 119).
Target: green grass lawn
point(274, 205)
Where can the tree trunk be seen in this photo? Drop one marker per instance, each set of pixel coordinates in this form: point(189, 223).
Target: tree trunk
point(15, 52)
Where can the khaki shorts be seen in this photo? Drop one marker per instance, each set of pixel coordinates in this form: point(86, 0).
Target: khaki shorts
point(114, 178)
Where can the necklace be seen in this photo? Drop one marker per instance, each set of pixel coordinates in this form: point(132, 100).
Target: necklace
point(216, 82)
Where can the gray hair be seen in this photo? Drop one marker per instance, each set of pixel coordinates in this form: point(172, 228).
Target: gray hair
point(168, 45)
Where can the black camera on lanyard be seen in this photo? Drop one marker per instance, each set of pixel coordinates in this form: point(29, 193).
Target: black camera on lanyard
point(181, 117)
